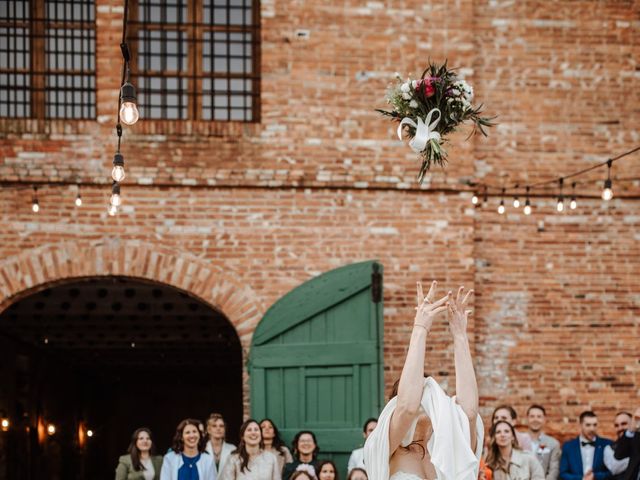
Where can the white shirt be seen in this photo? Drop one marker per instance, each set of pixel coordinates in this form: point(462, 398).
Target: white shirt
point(587, 452)
point(149, 472)
point(614, 465)
point(356, 460)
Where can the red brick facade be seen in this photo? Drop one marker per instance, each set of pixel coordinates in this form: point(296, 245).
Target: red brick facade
point(239, 214)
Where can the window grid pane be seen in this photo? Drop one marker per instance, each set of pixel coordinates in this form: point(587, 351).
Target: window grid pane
point(196, 65)
point(47, 65)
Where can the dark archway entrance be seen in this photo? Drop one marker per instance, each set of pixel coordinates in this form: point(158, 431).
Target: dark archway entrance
point(108, 354)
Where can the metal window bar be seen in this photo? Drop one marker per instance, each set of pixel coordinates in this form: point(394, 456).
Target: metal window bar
point(196, 59)
point(47, 59)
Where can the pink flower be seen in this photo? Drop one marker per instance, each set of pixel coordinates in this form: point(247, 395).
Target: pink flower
point(426, 84)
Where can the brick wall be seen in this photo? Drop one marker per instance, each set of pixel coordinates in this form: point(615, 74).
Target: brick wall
point(322, 182)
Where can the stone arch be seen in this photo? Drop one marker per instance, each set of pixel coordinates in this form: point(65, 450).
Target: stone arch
point(214, 284)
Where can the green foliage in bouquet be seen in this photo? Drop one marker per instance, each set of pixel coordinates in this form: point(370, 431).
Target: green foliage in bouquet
point(440, 100)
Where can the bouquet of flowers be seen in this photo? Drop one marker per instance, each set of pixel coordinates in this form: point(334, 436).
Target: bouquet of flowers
point(430, 108)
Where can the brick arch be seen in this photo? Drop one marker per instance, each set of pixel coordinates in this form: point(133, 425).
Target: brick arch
point(39, 267)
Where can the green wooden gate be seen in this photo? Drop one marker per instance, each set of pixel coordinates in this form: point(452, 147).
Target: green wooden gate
point(316, 359)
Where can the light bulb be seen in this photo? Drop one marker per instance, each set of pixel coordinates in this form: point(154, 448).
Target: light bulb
point(116, 200)
point(118, 173)
point(560, 205)
point(112, 210)
point(527, 207)
point(5, 424)
point(89, 433)
point(573, 205)
point(474, 199)
point(129, 113)
point(501, 208)
point(516, 202)
point(78, 201)
point(51, 429)
point(607, 193)
point(35, 206)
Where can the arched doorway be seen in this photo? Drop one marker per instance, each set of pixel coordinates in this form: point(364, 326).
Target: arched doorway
point(109, 354)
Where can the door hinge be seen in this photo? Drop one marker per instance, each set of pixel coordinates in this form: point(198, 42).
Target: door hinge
point(376, 284)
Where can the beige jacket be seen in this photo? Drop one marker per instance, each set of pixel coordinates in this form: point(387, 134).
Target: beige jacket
point(523, 466)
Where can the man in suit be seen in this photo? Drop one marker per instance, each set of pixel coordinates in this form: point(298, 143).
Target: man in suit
point(582, 458)
point(544, 447)
point(628, 445)
point(618, 468)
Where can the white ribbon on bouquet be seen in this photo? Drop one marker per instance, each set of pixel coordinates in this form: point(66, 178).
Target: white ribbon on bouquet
point(425, 130)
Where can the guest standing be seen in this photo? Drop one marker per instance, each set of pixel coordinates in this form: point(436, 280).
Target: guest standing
point(140, 463)
point(357, 456)
point(273, 443)
point(250, 461)
point(628, 445)
point(327, 470)
point(583, 457)
point(217, 447)
point(188, 459)
point(543, 446)
point(305, 451)
point(505, 458)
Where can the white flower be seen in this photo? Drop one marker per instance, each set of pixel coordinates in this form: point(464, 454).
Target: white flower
point(455, 92)
point(413, 104)
point(405, 88)
point(406, 96)
point(414, 84)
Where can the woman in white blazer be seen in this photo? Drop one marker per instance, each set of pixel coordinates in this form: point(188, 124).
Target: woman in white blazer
point(217, 447)
point(188, 459)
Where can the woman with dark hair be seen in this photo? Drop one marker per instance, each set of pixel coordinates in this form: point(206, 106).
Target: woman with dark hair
point(188, 459)
point(506, 460)
point(357, 473)
point(305, 451)
point(250, 461)
point(216, 444)
point(327, 470)
point(140, 463)
point(273, 443)
point(423, 433)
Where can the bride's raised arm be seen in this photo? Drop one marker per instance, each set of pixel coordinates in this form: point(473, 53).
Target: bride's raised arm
point(466, 385)
point(411, 383)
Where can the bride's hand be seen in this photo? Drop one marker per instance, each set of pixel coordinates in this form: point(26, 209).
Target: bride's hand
point(457, 312)
point(426, 309)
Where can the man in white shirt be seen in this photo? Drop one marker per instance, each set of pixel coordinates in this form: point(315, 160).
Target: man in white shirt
point(617, 467)
point(544, 447)
point(356, 460)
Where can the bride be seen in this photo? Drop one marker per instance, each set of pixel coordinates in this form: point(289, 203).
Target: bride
point(422, 433)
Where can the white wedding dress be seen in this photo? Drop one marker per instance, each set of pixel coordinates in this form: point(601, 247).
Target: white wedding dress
point(449, 448)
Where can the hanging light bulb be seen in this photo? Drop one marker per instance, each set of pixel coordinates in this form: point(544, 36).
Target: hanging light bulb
point(607, 192)
point(89, 433)
point(116, 199)
point(516, 202)
point(527, 204)
point(475, 199)
point(501, 206)
point(485, 198)
point(4, 424)
point(560, 205)
point(35, 205)
point(51, 429)
point(117, 173)
point(129, 109)
point(78, 198)
point(112, 210)
point(573, 204)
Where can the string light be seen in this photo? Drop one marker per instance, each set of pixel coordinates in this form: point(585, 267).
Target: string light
point(607, 192)
point(516, 202)
point(474, 199)
point(116, 199)
point(129, 114)
point(78, 198)
point(573, 205)
point(560, 205)
point(89, 433)
point(501, 207)
point(51, 429)
point(112, 210)
point(485, 199)
point(4, 424)
point(117, 173)
point(35, 205)
point(527, 204)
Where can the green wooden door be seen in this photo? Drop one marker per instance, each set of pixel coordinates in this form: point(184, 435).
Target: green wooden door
point(316, 359)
